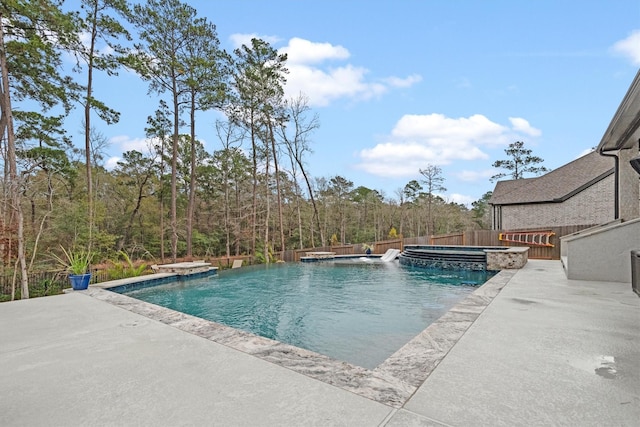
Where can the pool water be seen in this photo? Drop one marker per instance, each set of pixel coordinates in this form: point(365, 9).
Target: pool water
point(360, 313)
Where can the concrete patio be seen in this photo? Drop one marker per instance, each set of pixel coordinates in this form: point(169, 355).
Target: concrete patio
point(545, 351)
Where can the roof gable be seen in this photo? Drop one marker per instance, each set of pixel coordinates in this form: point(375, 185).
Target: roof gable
point(555, 186)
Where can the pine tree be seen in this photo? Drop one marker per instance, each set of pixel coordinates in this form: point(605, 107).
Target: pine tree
point(521, 161)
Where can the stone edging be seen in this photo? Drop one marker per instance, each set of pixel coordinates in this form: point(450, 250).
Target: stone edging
point(391, 383)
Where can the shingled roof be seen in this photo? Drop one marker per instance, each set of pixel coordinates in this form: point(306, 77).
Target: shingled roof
point(555, 186)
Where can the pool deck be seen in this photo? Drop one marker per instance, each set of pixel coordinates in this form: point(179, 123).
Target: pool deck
point(532, 348)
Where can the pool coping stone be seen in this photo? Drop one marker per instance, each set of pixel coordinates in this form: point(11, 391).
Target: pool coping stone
point(391, 383)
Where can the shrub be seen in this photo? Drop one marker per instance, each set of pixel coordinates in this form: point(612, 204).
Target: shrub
point(119, 270)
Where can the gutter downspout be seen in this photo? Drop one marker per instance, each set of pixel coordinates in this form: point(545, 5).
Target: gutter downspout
point(616, 173)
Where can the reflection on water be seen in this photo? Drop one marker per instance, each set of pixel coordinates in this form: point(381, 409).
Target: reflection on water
point(357, 312)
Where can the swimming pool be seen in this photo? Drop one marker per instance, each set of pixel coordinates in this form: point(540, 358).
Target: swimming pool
point(360, 313)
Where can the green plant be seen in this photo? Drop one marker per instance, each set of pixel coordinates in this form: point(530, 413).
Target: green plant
point(393, 234)
point(74, 261)
point(261, 258)
point(366, 246)
point(117, 270)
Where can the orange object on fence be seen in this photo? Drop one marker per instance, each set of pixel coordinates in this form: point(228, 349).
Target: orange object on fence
point(535, 238)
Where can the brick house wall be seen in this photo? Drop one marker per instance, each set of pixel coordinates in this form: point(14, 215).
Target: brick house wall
point(629, 187)
point(593, 205)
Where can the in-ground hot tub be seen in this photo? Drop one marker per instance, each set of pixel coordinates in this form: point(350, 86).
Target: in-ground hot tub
point(476, 258)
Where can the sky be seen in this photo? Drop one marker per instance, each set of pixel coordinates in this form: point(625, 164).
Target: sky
point(401, 85)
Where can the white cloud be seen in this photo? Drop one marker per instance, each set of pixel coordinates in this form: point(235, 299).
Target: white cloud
point(124, 143)
point(629, 47)
point(85, 39)
point(111, 163)
point(523, 126)
point(393, 159)
point(102, 48)
point(455, 135)
point(418, 140)
point(320, 71)
point(300, 51)
point(237, 40)
point(324, 86)
point(461, 199)
point(406, 82)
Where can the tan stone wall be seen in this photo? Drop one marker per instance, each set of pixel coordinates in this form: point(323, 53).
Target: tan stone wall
point(593, 205)
point(507, 259)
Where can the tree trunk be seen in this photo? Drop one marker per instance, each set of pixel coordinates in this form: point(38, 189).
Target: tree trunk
point(132, 217)
point(238, 218)
point(24, 291)
point(313, 201)
point(162, 255)
point(254, 208)
point(267, 214)
point(87, 123)
point(14, 185)
point(298, 197)
point(46, 215)
point(192, 180)
point(227, 214)
point(279, 197)
point(174, 177)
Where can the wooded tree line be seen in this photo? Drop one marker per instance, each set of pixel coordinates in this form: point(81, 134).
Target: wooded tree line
point(252, 196)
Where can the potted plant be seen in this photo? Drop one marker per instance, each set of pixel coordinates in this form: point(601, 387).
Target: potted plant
point(366, 248)
point(76, 263)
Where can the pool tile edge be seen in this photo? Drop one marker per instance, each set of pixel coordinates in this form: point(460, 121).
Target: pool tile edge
point(414, 362)
point(391, 383)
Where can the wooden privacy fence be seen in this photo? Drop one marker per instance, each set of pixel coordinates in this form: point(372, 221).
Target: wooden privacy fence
point(385, 245)
point(468, 238)
point(227, 262)
point(296, 254)
point(376, 248)
point(492, 238)
point(220, 262)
